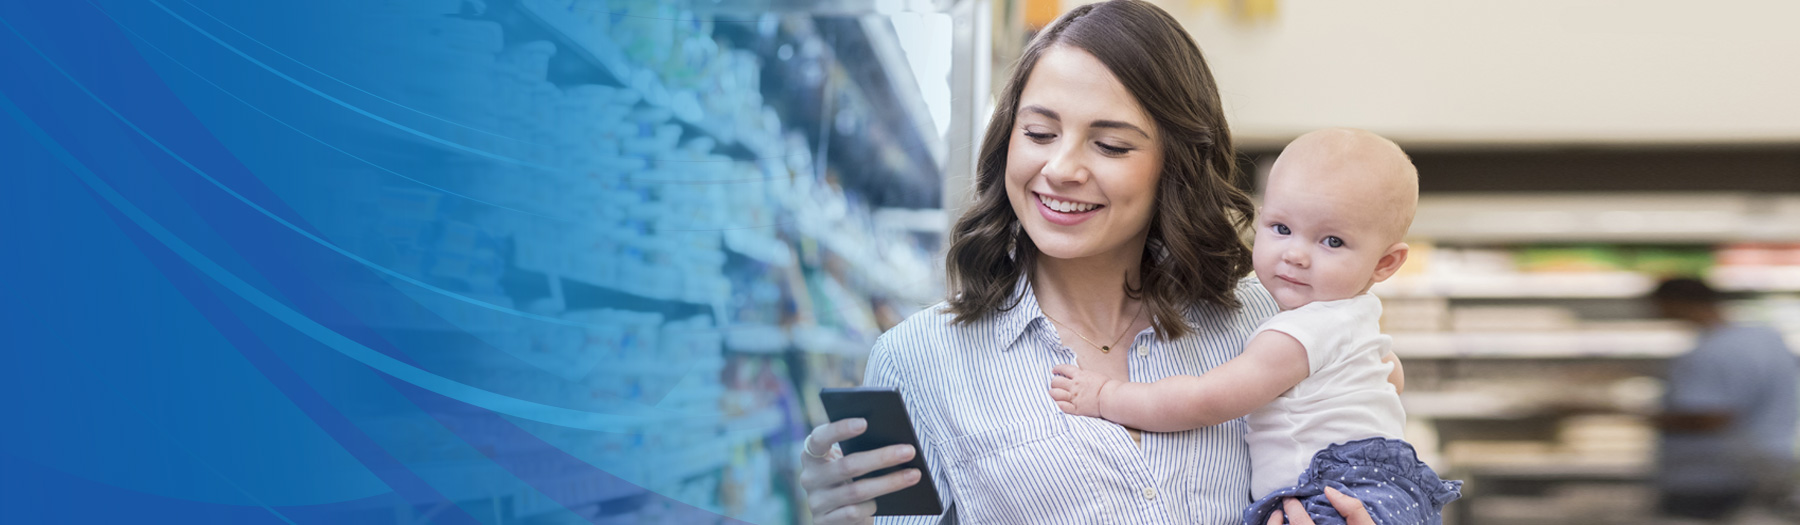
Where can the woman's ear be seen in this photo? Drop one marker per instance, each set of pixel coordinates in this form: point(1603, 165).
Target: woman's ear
point(1390, 262)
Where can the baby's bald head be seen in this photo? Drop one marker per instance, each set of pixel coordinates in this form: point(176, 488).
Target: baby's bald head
point(1356, 165)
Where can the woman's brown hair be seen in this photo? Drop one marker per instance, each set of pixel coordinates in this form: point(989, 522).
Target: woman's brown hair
point(1194, 253)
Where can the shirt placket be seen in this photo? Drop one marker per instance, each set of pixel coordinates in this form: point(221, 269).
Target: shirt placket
point(1152, 501)
point(1147, 499)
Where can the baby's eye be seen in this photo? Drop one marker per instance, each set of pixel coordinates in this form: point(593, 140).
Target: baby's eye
point(1334, 241)
point(1281, 229)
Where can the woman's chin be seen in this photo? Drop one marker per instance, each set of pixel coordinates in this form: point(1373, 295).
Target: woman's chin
point(1071, 245)
point(1056, 245)
point(1067, 249)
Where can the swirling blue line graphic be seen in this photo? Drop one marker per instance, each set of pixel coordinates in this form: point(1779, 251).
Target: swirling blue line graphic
point(424, 261)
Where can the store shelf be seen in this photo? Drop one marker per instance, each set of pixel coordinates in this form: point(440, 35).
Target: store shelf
point(1778, 279)
point(759, 246)
point(767, 511)
point(712, 457)
point(581, 295)
point(580, 39)
point(757, 338)
point(771, 339)
point(817, 7)
point(752, 427)
point(864, 133)
point(1567, 468)
point(1580, 285)
point(760, 99)
point(592, 46)
point(894, 275)
point(1596, 344)
point(1519, 285)
point(642, 368)
point(1705, 218)
point(822, 340)
point(1464, 405)
point(907, 103)
point(1644, 344)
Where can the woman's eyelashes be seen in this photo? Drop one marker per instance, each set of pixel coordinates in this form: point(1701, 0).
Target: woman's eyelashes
point(1112, 150)
point(1044, 137)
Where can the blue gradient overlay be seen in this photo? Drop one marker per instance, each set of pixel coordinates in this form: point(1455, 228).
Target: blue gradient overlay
point(382, 261)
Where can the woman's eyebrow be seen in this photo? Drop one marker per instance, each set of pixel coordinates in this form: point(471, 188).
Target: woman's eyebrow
point(1107, 124)
point(1115, 124)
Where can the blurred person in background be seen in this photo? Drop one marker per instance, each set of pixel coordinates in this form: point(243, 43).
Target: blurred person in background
point(1728, 422)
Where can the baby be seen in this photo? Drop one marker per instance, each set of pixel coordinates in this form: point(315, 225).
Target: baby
point(1314, 379)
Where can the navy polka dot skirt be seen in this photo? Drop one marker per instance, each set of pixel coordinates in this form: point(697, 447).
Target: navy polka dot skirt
point(1385, 474)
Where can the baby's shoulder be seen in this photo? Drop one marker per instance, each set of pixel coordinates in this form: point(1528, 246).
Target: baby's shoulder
point(1254, 306)
point(1362, 308)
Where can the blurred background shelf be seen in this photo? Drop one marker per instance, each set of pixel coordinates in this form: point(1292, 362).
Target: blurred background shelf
point(1543, 345)
point(1615, 217)
point(570, 26)
point(1519, 285)
point(727, 203)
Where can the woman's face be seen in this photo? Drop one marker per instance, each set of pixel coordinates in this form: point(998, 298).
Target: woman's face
point(1083, 161)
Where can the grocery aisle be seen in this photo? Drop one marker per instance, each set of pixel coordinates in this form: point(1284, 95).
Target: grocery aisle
point(742, 201)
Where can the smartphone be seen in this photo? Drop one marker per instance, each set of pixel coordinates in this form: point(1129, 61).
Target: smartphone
point(888, 425)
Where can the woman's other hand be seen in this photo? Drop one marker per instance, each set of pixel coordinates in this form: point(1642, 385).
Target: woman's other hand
point(1398, 376)
point(833, 493)
point(1077, 391)
point(1350, 508)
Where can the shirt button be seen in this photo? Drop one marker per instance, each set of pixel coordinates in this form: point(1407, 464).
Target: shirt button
point(1143, 350)
point(1149, 493)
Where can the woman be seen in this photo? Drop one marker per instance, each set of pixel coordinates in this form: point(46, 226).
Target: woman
point(1104, 208)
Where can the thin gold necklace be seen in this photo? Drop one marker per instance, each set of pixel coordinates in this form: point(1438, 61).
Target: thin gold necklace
point(1104, 349)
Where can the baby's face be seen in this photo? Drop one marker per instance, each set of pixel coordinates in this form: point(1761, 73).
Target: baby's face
point(1318, 241)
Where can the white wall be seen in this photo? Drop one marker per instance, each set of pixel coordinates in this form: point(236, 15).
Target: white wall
point(1519, 71)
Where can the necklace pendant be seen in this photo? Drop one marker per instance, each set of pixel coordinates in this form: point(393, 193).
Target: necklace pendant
point(1105, 349)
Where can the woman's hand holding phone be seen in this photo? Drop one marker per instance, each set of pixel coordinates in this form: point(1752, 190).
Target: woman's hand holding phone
point(826, 474)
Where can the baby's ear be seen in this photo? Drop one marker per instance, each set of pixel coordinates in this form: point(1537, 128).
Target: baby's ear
point(1390, 261)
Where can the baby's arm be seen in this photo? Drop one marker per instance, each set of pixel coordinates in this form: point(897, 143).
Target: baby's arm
point(1272, 363)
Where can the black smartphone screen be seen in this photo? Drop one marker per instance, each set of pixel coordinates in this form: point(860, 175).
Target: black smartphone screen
point(888, 425)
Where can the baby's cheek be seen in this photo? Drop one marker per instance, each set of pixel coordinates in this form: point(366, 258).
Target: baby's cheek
point(1264, 266)
point(1287, 297)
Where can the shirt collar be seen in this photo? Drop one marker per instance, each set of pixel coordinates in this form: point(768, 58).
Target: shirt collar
point(1015, 321)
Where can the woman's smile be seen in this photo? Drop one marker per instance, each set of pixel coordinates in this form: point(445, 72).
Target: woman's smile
point(1065, 212)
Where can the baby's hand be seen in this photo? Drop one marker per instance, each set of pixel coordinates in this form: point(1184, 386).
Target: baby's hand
point(1077, 391)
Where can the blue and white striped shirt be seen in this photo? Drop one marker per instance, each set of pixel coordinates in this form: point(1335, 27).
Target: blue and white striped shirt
point(1000, 450)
